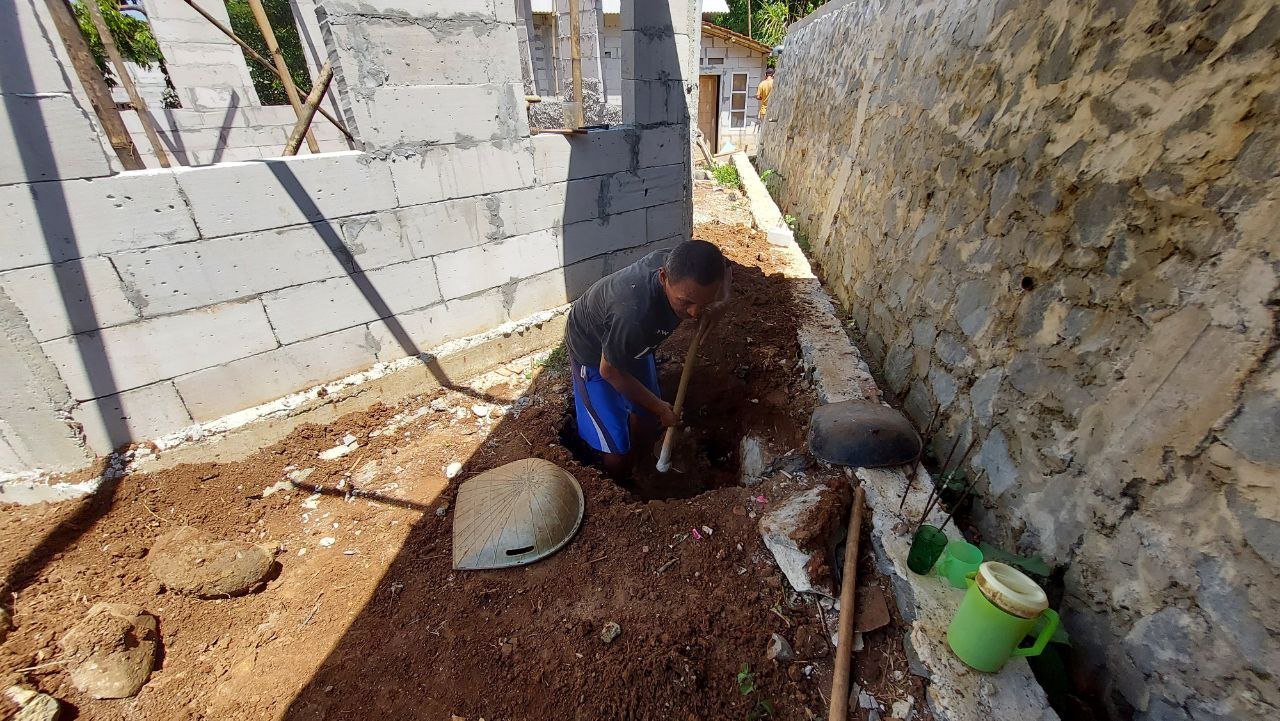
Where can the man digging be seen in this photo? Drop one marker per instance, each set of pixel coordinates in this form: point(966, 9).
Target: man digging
point(612, 332)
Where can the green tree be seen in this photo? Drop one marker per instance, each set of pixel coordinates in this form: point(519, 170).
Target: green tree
point(769, 18)
point(270, 89)
point(133, 37)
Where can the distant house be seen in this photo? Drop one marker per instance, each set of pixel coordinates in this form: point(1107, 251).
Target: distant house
point(731, 66)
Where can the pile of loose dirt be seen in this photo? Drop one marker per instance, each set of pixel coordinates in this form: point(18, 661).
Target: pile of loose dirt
point(366, 618)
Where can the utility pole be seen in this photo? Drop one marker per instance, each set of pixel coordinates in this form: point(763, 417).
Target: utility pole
point(749, 20)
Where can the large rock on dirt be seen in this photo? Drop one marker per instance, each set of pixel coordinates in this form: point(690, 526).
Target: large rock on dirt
point(802, 534)
point(112, 651)
point(753, 460)
point(23, 703)
point(196, 563)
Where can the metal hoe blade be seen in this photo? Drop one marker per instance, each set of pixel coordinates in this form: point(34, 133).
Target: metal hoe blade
point(515, 514)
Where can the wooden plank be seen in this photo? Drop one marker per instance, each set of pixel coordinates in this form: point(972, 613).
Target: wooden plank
point(557, 131)
point(318, 90)
point(95, 86)
point(575, 62)
point(257, 57)
point(282, 68)
point(122, 73)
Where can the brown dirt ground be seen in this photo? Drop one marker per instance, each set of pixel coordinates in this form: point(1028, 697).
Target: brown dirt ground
point(380, 625)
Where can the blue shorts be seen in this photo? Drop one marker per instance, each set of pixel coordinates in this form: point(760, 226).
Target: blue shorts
point(603, 413)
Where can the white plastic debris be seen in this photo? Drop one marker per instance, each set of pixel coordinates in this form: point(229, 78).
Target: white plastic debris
point(452, 470)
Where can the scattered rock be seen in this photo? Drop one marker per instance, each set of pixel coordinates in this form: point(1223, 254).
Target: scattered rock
point(452, 470)
point(439, 405)
point(283, 485)
point(347, 445)
point(610, 632)
point(802, 533)
point(196, 563)
point(754, 460)
point(112, 651)
point(902, 709)
point(443, 510)
point(733, 195)
point(366, 473)
point(31, 704)
point(481, 410)
point(866, 700)
point(873, 609)
point(779, 649)
point(327, 541)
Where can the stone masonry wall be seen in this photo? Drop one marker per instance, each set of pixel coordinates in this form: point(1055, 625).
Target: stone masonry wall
point(134, 304)
point(1059, 221)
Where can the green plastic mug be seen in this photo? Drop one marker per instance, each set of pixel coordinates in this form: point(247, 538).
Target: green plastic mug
point(959, 561)
point(984, 634)
point(926, 546)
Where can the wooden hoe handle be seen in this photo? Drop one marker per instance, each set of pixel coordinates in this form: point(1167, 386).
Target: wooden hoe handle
point(664, 458)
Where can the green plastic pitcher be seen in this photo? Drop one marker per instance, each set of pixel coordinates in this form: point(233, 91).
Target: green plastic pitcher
point(1000, 608)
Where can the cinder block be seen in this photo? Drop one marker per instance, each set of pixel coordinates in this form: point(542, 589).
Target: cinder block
point(135, 415)
point(490, 265)
point(394, 115)
point(605, 235)
point(553, 288)
point(53, 222)
point(648, 187)
point(421, 330)
point(446, 226)
point(246, 382)
point(663, 146)
point(243, 197)
point(548, 206)
point(653, 102)
point(48, 137)
point(192, 275)
point(669, 219)
point(657, 15)
point(314, 309)
point(456, 172)
point(654, 56)
point(430, 9)
point(71, 297)
point(407, 54)
point(28, 65)
point(598, 152)
point(117, 359)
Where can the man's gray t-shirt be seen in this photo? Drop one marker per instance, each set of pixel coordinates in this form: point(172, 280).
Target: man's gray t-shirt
point(622, 316)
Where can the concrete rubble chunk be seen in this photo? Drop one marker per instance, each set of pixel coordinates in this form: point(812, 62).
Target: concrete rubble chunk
point(802, 534)
point(755, 460)
point(111, 651)
point(610, 632)
point(195, 563)
point(31, 705)
point(778, 649)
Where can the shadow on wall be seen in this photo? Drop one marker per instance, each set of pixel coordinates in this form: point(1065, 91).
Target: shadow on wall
point(383, 664)
point(36, 153)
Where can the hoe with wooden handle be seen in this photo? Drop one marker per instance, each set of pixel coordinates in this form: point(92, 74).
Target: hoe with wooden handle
point(664, 458)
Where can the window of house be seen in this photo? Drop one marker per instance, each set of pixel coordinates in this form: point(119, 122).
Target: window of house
point(715, 61)
point(738, 101)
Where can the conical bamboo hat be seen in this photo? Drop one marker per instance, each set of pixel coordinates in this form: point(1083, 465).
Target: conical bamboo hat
point(515, 514)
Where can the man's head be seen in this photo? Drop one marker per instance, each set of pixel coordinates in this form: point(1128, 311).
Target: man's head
point(692, 277)
point(768, 73)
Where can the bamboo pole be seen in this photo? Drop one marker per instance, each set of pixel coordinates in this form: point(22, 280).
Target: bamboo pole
point(257, 57)
point(282, 68)
point(690, 358)
point(575, 62)
point(94, 85)
point(318, 90)
point(839, 708)
point(117, 62)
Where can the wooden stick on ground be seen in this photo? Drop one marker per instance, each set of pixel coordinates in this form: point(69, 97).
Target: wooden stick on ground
point(94, 85)
point(309, 109)
point(664, 458)
point(839, 709)
point(117, 62)
point(282, 68)
point(256, 57)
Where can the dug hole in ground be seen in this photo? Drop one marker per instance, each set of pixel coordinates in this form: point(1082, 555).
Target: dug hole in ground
point(361, 615)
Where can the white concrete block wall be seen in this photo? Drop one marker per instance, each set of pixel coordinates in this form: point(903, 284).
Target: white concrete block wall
point(153, 299)
point(207, 68)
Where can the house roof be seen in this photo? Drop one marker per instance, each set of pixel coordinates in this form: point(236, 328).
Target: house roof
point(614, 7)
point(733, 37)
